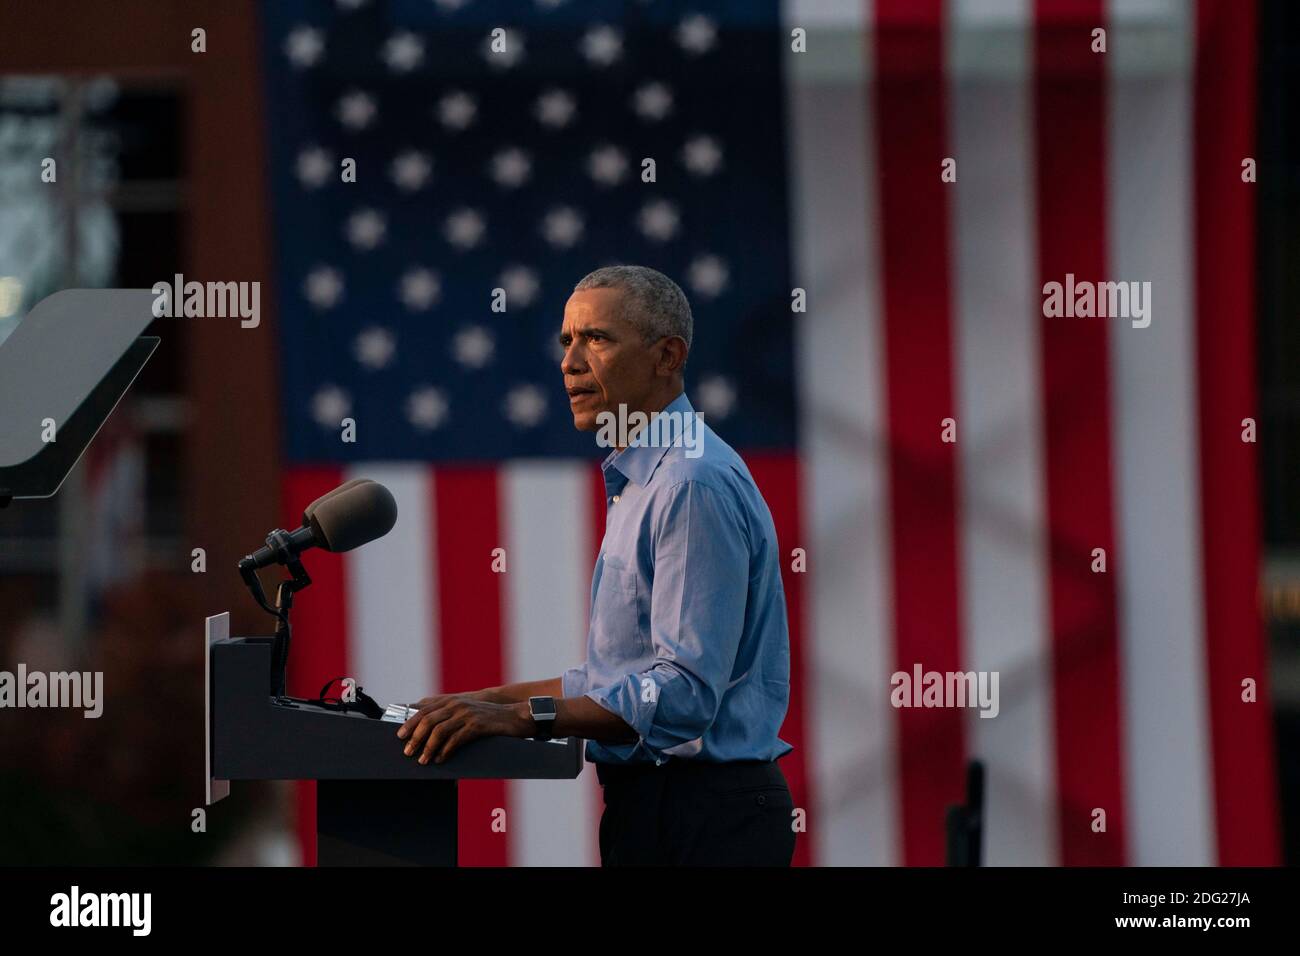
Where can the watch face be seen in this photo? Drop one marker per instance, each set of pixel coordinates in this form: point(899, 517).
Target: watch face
point(542, 708)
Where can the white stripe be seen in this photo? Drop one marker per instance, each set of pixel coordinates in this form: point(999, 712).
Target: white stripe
point(392, 621)
point(1158, 565)
point(851, 730)
point(547, 530)
point(997, 309)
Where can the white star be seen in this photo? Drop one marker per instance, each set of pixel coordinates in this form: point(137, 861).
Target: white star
point(557, 350)
point(602, 45)
point(323, 287)
point(555, 108)
point(473, 347)
point(653, 101)
point(521, 285)
point(716, 397)
point(525, 406)
point(314, 167)
point(708, 275)
point(562, 226)
point(464, 228)
point(697, 33)
point(702, 155)
point(456, 110)
point(511, 52)
point(330, 405)
point(607, 165)
point(304, 46)
point(356, 110)
point(658, 220)
point(374, 347)
point(426, 408)
point(511, 167)
point(420, 288)
point(366, 229)
point(410, 169)
point(403, 51)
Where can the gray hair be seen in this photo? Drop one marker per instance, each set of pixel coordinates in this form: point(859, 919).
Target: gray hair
point(652, 302)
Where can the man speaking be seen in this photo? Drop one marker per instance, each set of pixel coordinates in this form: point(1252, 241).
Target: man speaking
point(687, 675)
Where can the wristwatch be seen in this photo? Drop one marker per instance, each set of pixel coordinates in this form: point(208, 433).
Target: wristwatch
point(542, 710)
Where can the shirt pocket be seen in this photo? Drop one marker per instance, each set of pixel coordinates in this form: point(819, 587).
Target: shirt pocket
point(617, 623)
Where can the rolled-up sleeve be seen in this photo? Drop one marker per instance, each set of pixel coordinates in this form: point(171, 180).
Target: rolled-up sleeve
point(697, 615)
point(573, 682)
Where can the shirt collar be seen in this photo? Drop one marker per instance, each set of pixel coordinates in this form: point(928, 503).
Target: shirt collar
point(638, 462)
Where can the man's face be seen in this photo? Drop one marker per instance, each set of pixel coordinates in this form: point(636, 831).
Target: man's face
point(605, 362)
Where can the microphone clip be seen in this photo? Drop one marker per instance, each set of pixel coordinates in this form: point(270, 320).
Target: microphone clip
point(280, 549)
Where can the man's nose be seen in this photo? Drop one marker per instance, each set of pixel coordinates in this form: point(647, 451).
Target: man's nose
point(573, 362)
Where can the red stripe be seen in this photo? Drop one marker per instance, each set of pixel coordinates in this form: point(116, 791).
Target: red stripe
point(319, 644)
point(777, 477)
point(1071, 157)
point(911, 116)
point(1241, 734)
point(467, 517)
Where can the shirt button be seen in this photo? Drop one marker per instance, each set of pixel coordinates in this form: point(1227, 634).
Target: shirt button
point(614, 500)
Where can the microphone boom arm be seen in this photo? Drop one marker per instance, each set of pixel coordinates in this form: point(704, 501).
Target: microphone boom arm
point(278, 541)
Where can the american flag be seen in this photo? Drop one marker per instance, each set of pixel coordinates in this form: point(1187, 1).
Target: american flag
point(801, 146)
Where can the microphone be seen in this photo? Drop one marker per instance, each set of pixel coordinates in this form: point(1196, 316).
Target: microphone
point(354, 513)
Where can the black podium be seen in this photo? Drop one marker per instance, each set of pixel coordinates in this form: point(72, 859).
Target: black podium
point(375, 806)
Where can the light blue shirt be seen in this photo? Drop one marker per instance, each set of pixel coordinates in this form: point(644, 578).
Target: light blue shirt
point(688, 640)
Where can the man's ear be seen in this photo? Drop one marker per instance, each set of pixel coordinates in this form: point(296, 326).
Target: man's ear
point(672, 355)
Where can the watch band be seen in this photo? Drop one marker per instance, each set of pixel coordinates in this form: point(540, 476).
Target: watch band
point(542, 710)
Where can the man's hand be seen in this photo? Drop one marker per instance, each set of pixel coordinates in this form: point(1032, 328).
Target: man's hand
point(488, 694)
point(448, 721)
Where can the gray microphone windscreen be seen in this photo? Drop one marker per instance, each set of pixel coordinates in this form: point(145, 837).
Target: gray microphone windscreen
point(357, 514)
point(311, 508)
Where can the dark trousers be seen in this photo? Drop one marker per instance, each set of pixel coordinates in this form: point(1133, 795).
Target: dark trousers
point(696, 813)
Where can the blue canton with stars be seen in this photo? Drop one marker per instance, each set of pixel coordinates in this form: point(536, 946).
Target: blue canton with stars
point(519, 170)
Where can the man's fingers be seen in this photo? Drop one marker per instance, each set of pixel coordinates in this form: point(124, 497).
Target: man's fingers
point(421, 707)
point(440, 734)
point(408, 725)
point(424, 723)
point(442, 726)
